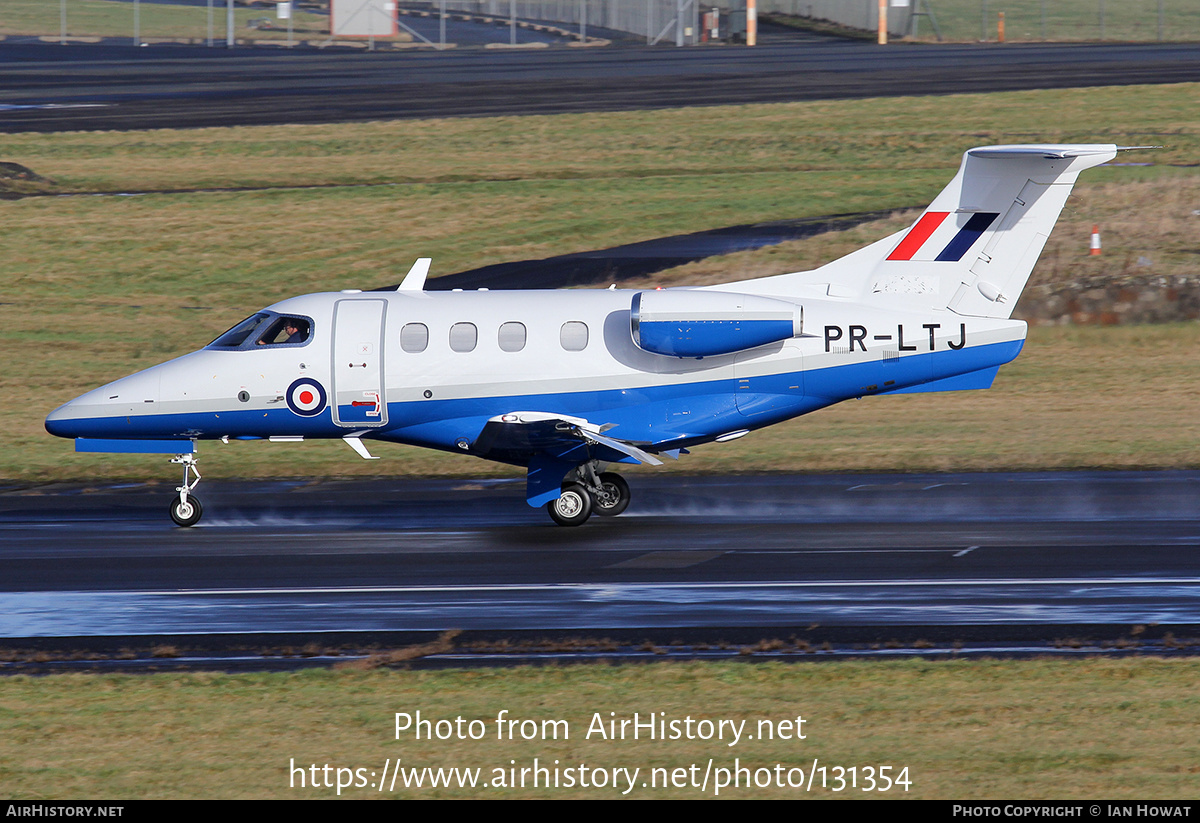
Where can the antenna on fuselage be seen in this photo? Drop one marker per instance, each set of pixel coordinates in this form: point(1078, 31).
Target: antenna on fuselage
point(415, 279)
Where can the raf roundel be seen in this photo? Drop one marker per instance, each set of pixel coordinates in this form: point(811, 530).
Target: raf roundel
point(306, 397)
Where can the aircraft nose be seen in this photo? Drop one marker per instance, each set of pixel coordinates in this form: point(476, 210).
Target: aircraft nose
point(95, 413)
point(60, 421)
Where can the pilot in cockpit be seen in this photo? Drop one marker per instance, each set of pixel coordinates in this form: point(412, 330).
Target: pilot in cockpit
point(297, 330)
point(289, 330)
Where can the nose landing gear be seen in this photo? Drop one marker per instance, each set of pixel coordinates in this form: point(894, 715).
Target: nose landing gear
point(186, 509)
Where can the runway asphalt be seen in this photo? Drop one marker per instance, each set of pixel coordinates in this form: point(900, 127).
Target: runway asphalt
point(777, 553)
point(47, 87)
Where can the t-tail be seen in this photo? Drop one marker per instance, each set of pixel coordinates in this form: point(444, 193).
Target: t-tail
point(973, 248)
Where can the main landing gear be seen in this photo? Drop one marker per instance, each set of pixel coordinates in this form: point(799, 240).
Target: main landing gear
point(587, 492)
point(186, 509)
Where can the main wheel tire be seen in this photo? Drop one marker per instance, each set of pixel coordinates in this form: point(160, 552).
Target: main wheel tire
point(614, 496)
point(186, 514)
point(572, 508)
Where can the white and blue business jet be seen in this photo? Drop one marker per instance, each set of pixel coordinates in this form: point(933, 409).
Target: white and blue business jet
point(568, 382)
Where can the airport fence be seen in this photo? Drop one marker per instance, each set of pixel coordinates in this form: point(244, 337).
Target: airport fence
point(215, 22)
point(954, 20)
point(656, 21)
point(209, 22)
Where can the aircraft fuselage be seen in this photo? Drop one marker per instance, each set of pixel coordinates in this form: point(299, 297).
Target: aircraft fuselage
point(567, 382)
point(476, 355)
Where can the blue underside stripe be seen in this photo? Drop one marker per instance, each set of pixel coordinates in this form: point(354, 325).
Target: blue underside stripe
point(650, 414)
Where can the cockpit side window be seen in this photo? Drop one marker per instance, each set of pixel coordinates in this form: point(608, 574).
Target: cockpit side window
point(265, 329)
point(285, 330)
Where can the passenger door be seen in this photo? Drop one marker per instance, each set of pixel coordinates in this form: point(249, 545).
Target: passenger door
point(359, 399)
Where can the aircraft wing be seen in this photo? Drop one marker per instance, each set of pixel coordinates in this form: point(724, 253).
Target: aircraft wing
point(553, 434)
point(552, 445)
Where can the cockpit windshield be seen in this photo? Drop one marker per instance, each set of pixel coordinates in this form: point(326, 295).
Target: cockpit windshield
point(265, 329)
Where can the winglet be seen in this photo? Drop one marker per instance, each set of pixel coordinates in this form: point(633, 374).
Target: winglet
point(415, 279)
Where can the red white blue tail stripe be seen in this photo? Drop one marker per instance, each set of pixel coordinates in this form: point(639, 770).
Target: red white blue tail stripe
point(934, 238)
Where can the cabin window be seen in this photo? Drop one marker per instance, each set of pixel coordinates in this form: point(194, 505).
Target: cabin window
point(511, 336)
point(574, 335)
point(463, 337)
point(414, 337)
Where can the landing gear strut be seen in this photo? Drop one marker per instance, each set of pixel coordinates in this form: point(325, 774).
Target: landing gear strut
point(587, 492)
point(186, 509)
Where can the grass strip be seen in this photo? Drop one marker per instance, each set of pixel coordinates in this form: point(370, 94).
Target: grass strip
point(1061, 729)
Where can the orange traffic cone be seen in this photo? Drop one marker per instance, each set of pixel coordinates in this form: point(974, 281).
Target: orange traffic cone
point(1095, 241)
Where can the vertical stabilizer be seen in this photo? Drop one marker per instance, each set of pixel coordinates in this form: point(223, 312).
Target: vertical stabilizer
point(973, 248)
point(1021, 190)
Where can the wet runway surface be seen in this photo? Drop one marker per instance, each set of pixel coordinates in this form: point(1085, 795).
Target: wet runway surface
point(769, 552)
point(51, 88)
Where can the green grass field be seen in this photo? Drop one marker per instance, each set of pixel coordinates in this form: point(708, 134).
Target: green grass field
point(1044, 729)
point(969, 21)
point(1126, 20)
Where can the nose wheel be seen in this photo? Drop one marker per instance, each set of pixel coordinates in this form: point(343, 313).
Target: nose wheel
point(186, 509)
point(186, 512)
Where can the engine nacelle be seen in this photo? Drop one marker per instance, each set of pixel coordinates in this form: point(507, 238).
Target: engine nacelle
point(693, 323)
